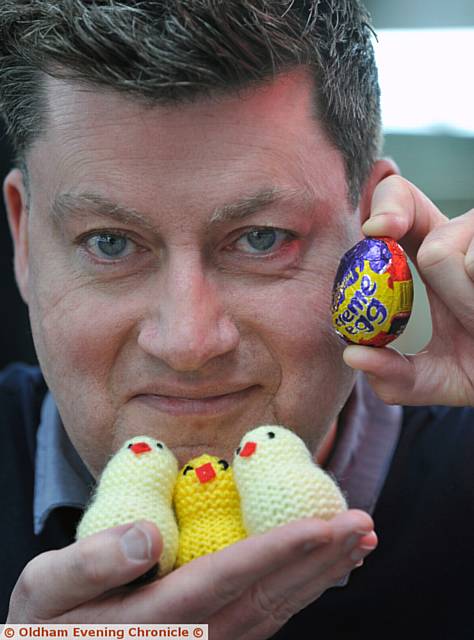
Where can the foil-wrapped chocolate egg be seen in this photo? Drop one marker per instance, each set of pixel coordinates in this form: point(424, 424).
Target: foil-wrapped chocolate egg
point(373, 293)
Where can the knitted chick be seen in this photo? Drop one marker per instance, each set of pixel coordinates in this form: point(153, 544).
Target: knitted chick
point(207, 507)
point(136, 484)
point(278, 480)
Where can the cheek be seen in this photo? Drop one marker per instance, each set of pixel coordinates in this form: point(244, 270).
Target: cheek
point(77, 336)
point(314, 380)
point(77, 332)
point(293, 319)
point(302, 336)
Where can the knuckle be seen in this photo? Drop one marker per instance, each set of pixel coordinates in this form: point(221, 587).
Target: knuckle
point(469, 264)
point(386, 394)
point(22, 601)
point(225, 588)
point(85, 569)
point(432, 252)
point(26, 585)
point(276, 610)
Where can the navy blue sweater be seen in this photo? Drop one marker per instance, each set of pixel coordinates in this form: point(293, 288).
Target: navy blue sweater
point(419, 582)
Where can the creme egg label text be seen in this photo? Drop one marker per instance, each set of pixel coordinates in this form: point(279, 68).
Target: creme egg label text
point(363, 311)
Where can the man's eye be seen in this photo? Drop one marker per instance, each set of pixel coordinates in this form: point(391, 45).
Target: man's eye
point(262, 240)
point(110, 245)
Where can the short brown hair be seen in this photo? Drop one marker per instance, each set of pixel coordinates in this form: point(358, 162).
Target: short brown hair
point(174, 51)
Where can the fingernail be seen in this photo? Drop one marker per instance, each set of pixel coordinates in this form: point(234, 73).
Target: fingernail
point(136, 544)
point(379, 219)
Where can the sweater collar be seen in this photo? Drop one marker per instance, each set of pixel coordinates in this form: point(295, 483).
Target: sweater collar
point(61, 478)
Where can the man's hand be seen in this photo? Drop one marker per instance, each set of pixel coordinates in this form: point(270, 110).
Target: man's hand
point(246, 591)
point(443, 252)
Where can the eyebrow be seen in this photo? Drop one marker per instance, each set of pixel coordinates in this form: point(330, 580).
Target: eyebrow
point(253, 203)
point(92, 203)
point(70, 204)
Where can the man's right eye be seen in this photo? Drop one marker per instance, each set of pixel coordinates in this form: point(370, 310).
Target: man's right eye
point(110, 246)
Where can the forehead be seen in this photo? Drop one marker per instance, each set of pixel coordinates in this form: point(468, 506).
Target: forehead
point(264, 135)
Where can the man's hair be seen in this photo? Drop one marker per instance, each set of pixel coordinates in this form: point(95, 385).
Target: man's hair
point(167, 52)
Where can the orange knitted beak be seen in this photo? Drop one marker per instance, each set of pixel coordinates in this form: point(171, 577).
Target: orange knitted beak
point(140, 447)
point(205, 473)
point(248, 450)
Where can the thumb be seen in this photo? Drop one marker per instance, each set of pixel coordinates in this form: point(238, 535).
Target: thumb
point(84, 570)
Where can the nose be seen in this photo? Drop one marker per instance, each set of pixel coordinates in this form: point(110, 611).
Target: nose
point(188, 325)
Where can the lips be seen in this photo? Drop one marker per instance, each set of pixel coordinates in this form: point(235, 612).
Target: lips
point(194, 393)
point(192, 402)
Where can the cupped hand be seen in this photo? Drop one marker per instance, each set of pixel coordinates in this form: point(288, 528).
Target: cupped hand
point(246, 591)
point(442, 251)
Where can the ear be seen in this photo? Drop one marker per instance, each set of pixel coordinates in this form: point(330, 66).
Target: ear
point(16, 203)
point(382, 169)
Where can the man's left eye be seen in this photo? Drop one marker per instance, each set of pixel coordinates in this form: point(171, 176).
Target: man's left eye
point(262, 240)
point(110, 246)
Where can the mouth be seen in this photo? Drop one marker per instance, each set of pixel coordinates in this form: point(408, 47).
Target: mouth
point(209, 405)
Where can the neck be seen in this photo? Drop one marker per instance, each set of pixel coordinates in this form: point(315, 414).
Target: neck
point(326, 445)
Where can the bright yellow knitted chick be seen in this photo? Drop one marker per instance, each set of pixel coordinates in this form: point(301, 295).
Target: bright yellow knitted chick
point(278, 481)
point(136, 484)
point(207, 506)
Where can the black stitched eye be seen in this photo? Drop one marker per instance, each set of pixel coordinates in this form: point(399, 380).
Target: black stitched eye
point(237, 451)
point(186, 469)
point(130, 446)
point(270, 434)
point(224, 464)
point(159, 445)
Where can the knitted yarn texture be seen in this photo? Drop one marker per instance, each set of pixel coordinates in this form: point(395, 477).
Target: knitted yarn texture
point(207, 507)
point(278, 481)
point(137, 483)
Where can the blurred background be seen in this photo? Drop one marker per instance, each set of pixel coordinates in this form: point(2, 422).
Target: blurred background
point(425, 52)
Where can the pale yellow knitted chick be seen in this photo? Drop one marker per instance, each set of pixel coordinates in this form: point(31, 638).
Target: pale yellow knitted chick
point(278, 481)
point(207, 507)
point(137, 484)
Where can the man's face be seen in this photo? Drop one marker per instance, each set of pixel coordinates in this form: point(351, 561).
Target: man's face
point(169, 311)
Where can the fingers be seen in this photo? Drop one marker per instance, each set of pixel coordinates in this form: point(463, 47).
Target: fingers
point(197, 591)
point(443, 260)
point(401, 211)
point(391, 374)
point(83, 571)
point(443, 252)
point(272, 600)
point(309, 555)
point(469, 260)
